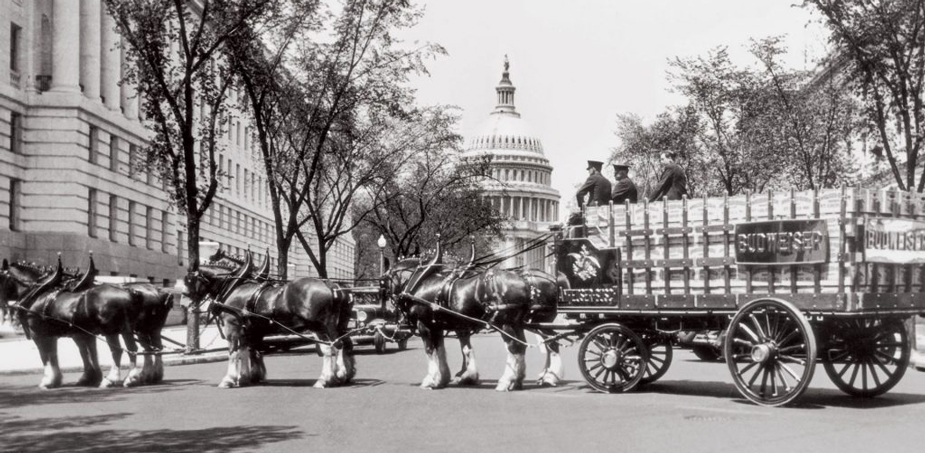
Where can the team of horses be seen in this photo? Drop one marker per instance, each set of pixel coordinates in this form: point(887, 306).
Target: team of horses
point(247, 305)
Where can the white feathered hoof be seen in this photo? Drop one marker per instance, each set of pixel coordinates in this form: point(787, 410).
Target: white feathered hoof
point(466, 379)
point(109, 383)
point(548, 379)
point(508, 386)
point(227, 383)
point(320, 384)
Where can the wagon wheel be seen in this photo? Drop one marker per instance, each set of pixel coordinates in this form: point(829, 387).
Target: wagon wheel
point(771, 352)
point(867, 357)
point(612, 358)
point(379, 343)
point(660, 354)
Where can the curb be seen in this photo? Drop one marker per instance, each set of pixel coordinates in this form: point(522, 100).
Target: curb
point(209, 356)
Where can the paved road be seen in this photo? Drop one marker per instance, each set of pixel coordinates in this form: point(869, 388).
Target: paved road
point(695, 408)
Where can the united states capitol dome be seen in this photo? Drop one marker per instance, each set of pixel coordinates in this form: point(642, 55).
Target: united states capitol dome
point(520, 186)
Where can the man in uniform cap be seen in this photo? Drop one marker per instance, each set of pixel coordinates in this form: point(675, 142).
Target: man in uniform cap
point(624, 188)
point(597, 187)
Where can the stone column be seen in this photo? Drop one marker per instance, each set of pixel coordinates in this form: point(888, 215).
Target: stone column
point(65, 71)
point(128, 99)
point(111, 71)
point(90, 48)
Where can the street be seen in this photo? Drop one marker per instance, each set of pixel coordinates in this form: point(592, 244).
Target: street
point(694, 408)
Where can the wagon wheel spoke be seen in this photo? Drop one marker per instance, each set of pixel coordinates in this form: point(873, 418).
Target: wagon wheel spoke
point(749, 332)
point(780, 377)
point(790, 372)
point(761, 334)
point(873, 372)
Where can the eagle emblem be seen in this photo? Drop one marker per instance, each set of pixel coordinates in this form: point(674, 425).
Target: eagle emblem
point(584, 266)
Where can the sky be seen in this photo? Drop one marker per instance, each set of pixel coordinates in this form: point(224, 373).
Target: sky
point(577, 64)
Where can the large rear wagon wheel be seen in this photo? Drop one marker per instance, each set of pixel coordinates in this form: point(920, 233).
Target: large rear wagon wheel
point(771, 352)
point(660, 355)
point(612, 358)
point(867, 357)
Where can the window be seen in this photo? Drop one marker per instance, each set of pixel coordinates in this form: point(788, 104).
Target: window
point(132, 221)
point(15, 38)
point(15, 203)
point(246, 184)
point(180, 247)
point(149, 228)
point(113, 217)
point(93, 147)
point(237, 180)
point(113, 153)
point(132, 150)
point(91, 213)
point(16, 132)
point(164, 231)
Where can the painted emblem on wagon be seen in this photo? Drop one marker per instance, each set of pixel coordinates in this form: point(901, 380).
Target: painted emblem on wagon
point(584, 265)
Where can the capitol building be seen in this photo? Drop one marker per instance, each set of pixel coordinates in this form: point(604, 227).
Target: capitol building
point(520, 184)
point(70, 135)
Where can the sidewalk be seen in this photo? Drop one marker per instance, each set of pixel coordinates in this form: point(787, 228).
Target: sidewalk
point(20, 356)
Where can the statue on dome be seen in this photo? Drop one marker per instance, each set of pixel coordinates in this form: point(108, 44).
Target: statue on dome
point(507, 64)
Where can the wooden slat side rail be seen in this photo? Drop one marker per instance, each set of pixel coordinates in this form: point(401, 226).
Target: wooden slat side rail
point(772, 270)
point(685, 241)
point(648, 247)
point(748, 269)
point(727, 270)
point(666, 249)
point(793, 268)
point(706, 247)
point(817, 274)
point(629, 249)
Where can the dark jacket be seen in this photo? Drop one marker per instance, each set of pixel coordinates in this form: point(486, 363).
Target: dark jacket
point(623, 190)
point(672, 185)
point(597, 187)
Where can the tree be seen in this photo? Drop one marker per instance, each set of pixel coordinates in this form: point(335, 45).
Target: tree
point(355, 106)
point(882, 43)
point(174, 51)
point(725, 97)
point(437, 193)
point(259, 59)
point(807, 120)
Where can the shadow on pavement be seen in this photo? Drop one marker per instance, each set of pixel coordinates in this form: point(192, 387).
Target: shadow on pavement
point(217, 439)
point(811, 399)
point(12, 397)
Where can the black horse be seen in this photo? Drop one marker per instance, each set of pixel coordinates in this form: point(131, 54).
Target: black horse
point(58, 306)
point(436, 298)
point(15, 280)
point(249, 308)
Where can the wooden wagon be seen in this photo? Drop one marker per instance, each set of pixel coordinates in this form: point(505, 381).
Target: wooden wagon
point(790, 278)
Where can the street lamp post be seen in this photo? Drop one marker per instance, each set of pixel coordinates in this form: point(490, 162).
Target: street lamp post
point(381, 243)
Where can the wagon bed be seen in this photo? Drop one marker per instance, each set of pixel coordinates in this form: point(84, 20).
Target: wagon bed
point(788, 277)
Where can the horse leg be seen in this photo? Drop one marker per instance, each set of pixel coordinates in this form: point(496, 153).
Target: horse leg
point(115, 372)
point(157, 348)
point(147, 372)
point(346, 363)
point(92, 375)
point(48, 351)
point(135, 376)
point(553, 370)
point(328, 363)
point(469, 374)
point(235, 339)
point(438, 371)
point(258, 368)
point(515, 368)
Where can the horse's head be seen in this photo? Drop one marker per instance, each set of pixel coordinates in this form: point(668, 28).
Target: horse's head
point(202, 283)
point(393, 282)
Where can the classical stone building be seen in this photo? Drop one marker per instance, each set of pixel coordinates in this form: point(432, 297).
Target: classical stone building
point(69, 133)
point(520, 187)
